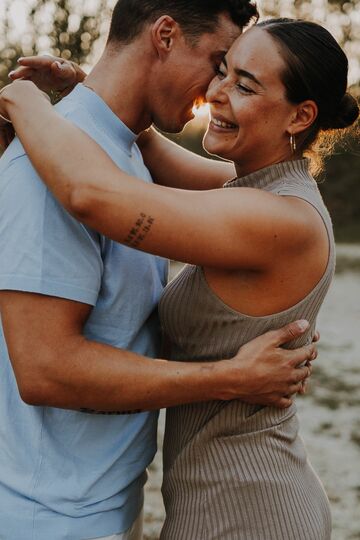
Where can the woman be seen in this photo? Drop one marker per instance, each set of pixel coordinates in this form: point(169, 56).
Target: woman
point(262, 254)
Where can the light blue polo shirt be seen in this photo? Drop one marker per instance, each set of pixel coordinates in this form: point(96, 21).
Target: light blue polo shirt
point(66, 474)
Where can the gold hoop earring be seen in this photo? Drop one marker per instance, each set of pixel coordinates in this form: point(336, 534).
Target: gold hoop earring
point(292, 143)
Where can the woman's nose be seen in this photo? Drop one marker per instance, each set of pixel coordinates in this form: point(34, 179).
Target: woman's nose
point(216, 90)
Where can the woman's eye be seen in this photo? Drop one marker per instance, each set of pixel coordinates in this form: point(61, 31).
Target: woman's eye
point(245, 89)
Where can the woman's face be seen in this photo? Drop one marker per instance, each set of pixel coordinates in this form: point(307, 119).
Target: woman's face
point(249, 110)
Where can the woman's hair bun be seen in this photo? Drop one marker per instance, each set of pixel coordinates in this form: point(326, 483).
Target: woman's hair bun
point(345, 115)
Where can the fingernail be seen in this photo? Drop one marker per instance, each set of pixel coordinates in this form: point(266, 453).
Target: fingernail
point(303, 325)
point(11, 73)
point(60, 66)
point(21, 58)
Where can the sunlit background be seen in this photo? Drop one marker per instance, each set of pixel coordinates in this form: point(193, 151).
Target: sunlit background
point(330, 414)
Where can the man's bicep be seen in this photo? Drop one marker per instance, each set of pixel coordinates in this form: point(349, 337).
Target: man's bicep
point(43, 249)
point(37, 330)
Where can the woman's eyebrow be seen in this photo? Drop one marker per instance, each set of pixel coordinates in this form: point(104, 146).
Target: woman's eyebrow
point(248, 75)
point(243, 73)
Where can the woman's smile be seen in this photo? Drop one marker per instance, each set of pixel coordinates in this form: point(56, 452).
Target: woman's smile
point(220, 124)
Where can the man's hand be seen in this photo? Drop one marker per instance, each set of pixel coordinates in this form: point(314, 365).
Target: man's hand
point(49, 73)
point(272, 374)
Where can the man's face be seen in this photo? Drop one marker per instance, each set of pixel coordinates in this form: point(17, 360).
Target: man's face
point(186, 75)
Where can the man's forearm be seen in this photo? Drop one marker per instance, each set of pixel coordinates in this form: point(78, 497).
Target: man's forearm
point(92, 376)
point(174, 166)
point(61, 368)
point(97, 377)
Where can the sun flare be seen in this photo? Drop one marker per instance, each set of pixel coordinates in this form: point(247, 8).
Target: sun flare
point(202, 111)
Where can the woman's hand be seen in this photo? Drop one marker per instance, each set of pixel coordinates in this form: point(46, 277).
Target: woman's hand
point(11, 96)
point(49, 73)
point(16, 96)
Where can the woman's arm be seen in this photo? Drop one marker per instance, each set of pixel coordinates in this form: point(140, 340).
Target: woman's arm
point(174, 166)
point(188, 171)
point(225, 228)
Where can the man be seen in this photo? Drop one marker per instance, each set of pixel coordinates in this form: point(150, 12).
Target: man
point(79, 311)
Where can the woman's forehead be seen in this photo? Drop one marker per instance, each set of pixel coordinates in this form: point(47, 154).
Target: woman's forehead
point(256, 50)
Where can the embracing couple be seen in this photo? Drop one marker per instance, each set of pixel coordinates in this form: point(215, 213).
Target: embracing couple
point(85, 235)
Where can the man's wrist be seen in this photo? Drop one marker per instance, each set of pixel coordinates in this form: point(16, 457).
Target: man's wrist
point(224, 380)
point(232, 379)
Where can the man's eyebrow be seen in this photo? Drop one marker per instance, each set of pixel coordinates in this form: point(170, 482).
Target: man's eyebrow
point(243, 73)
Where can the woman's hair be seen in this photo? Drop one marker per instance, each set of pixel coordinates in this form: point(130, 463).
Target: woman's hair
point(195, 17)
point(316, 69)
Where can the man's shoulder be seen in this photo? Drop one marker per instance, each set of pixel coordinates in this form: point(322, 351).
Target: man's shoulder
point(72, 108)
point(15, 157)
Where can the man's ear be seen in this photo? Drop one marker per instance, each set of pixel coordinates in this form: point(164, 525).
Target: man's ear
point(164, 32)
point(304, 116)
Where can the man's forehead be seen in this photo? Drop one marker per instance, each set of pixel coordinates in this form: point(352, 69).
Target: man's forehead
point(224, 36)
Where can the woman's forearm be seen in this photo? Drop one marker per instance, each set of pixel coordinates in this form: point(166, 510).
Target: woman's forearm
point(174, 166)
point(188, 226)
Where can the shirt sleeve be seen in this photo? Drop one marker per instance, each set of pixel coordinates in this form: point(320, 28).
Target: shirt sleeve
point(42, 248)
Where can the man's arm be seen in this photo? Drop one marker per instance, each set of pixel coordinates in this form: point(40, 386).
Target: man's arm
point(173, 166)
point(55, 365)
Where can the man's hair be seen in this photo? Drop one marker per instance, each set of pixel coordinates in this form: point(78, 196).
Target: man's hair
point(195, 17)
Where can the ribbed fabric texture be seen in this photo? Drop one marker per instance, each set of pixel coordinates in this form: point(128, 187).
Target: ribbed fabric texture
point(234, 470)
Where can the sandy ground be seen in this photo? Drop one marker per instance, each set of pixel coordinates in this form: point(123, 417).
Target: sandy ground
point(329, 414)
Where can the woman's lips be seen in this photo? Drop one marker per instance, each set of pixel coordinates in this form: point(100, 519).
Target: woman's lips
point(220, 124)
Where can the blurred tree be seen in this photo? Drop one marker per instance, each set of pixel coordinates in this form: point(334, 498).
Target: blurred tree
point(65, 28)
point(340, 17)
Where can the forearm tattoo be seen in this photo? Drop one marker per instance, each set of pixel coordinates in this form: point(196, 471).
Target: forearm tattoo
point(139, 230)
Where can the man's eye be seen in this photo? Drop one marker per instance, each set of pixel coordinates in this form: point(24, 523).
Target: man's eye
point(220, 73)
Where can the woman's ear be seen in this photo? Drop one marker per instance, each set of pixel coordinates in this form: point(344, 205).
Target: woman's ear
point(304, 116)
point(164, 31)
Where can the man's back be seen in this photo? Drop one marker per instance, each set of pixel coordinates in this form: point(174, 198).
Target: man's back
point(77, 474)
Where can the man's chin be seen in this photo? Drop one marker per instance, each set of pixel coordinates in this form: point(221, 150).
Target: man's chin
point(173, 125)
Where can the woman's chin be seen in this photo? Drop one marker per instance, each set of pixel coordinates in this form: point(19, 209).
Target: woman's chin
point(213, 147)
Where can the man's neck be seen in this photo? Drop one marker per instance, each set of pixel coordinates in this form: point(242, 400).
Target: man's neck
point(120, 80)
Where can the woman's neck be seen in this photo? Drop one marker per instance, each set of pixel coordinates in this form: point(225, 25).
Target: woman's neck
point(245, 168)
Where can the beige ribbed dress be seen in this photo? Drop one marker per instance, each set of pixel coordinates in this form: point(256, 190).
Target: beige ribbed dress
point(233, 470)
